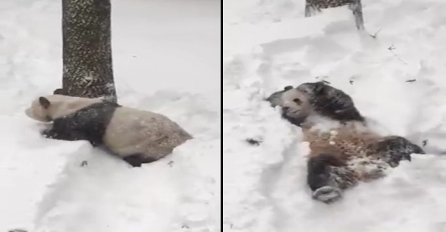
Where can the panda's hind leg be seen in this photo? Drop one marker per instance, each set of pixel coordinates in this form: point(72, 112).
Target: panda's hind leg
point(393, 149)
point(327, 176)
point(137, 160)
point(319, 178)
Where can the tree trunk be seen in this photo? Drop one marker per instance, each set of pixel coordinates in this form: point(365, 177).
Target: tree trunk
point(87, 57)
point(313, 7)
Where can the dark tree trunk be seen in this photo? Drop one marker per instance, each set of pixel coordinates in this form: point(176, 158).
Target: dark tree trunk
point(312, 7)
point(87, 57)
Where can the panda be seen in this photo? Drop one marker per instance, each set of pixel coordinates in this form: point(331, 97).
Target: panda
point(134, 135)
point(343, 150)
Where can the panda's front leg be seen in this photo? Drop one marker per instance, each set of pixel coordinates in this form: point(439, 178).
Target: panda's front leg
point(53, 133)
point(59, 130)
point(49, 133)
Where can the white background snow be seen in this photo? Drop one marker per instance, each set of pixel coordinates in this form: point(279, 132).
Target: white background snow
point(166, 56)
point(269, 44)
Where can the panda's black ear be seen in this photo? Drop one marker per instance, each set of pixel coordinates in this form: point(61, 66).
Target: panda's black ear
point(59, 92)
point(44, 102)
point(288, 87)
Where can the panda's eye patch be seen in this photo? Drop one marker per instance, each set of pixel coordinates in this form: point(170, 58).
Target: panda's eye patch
point(297, 101)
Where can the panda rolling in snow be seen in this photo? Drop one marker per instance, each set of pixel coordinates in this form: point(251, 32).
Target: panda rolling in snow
point(134, 135)
point(343, 150)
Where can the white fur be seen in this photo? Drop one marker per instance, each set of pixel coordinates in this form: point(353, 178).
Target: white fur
point(296, 110)
point(60, 106)
point(134, 131)
point(287, 99)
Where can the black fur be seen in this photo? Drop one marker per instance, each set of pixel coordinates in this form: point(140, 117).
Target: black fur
point(88, 123)
point(293, 120)
point(319, 170)
point(137, 160)
point(393, 149)
point(331, 102)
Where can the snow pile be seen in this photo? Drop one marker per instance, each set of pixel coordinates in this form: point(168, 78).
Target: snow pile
point(166, 59)
point(396, 80)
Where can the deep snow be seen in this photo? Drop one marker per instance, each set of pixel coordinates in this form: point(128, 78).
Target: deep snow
point(166, 59)
point(396, 80)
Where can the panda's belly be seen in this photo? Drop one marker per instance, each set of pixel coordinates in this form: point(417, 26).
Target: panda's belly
point(352, 148)
point(343, 142)
point(133, 132)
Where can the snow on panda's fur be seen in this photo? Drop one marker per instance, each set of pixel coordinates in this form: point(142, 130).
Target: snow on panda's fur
point(136, 136)
point(343, 149)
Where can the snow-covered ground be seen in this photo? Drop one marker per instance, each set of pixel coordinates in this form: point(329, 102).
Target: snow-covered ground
point(166, 56)
point(396, 80)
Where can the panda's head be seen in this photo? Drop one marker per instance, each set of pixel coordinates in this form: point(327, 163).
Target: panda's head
point(48, 108)
point(293, 103)
point(316, 98)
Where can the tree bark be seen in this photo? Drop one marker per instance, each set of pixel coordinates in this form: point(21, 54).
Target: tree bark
point(312, 7)
point(87, 56)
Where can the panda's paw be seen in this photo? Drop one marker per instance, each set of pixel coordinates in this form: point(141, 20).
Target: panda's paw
point(134, 160)
point(327, 194)
point(47, 133)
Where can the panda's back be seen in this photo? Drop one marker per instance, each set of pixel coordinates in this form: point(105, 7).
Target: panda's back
point(132, 131)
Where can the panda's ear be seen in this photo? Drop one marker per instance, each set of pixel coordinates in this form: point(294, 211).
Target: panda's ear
point(288, 87)
point(59, 92)
point(44, 102)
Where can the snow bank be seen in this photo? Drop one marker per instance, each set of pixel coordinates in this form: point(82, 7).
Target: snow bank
point(166, 59)
point(396, 80)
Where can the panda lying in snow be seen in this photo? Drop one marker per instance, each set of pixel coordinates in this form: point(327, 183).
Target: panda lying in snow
point(343, 149)
point(134, 135)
